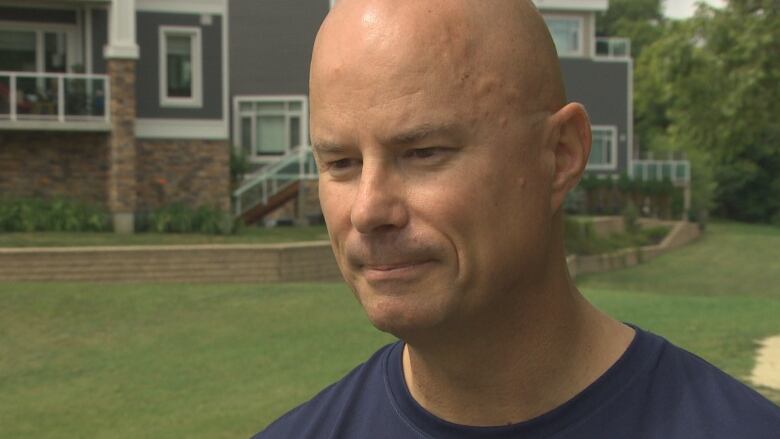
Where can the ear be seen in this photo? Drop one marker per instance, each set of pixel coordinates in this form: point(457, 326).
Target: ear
point(571, 127)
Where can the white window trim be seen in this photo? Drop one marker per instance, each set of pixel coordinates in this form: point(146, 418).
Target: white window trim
point(238, 100)
point(196, 101)
point(612, 165)
point(580, 52)
point(184, 7)
point(572, 5)
point(73, 51)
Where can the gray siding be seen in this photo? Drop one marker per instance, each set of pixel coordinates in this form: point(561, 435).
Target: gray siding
point(602, 86)
point(99, 39)
point(38, 15)
point(148, 69)
point(270, 45)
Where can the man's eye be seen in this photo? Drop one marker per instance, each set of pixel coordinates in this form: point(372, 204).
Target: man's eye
point(342, 163)
point(424, 153)
point(342, 167)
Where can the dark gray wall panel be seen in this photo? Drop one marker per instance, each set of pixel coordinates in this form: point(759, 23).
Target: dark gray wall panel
point(270, 45)
point(99, 39)
point(603, 88)
point(147, 72)
point(38, 15)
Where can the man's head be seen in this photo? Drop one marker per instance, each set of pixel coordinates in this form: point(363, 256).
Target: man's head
point(445, 152)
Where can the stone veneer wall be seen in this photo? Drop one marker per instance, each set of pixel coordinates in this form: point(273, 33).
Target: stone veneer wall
point(121, 144)
point(194, 172)
point(51, 164)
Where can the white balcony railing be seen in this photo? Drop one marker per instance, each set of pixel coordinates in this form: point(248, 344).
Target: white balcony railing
point(53, 97)
point(610, 47)
point(678, 171)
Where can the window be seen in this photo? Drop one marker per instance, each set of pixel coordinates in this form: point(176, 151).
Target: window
point(566, 34)
point(180, 67)
point(33, 51)
point(603, 151)
point(270, 126)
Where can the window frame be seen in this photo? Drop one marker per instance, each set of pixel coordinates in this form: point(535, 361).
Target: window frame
point(196, 48)
point(74, 54)
point(613, 153)
point(580, 52)
point(239, 115)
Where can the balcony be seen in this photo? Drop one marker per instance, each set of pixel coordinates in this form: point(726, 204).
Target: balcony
point(54, 101)
point(677, 171)
point(618, 48)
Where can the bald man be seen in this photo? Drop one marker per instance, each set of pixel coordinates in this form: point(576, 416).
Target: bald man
point(446, 149)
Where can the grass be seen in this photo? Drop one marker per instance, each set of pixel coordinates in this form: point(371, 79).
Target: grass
point(129, 361)
point(249, 235)
point(221, 361)
point(730, 259)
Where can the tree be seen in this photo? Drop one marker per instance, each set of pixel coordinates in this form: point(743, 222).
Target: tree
point(638, 20)
point(710, 85)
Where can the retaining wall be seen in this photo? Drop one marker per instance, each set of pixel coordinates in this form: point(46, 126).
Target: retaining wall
point(682, 233)
point(196, 263)
point(300, 262)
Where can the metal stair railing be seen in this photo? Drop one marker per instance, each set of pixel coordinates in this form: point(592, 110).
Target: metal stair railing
point(297, 165)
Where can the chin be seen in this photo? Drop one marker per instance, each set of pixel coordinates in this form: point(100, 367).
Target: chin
point(402, 317)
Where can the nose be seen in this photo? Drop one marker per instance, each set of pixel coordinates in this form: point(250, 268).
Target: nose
point(379, 203)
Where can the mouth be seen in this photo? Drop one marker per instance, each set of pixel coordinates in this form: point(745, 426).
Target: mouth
point(395, 271)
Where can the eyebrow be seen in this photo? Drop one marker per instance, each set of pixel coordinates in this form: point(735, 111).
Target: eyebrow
point(419, 133)
point(407, 137)
point(326, 146)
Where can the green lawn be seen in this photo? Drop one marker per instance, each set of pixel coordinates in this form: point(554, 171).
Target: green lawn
point(730, 259)
point(221, 361)
point(248, 235)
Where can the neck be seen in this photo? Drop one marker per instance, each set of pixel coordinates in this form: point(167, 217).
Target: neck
point(520, 363)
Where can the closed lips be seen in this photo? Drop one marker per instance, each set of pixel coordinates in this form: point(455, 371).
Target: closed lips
point(395, 266)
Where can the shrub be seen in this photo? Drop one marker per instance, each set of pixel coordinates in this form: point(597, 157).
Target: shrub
point(654, 235)
point(54, 215)
point(578, 236)
point(630, 217)
point(180, 218)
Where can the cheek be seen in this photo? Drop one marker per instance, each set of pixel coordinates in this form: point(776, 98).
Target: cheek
point(335, 204)
point(334, 201)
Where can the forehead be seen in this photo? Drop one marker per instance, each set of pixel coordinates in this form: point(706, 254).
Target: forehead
point(431, 61)
point(400, 85)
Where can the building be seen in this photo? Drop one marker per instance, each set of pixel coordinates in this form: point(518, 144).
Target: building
point(118, 102)
point(135, 104)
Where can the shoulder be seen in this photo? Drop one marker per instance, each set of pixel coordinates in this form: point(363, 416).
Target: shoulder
point(358, 390)
point(704, 398)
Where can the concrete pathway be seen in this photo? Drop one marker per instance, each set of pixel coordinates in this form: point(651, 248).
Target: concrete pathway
point(767, 370)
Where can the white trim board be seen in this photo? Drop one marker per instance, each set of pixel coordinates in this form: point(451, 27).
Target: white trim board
point(572, 5)
point(45, 125)
point(183, 7)
point(206, 129)
point(226, 110)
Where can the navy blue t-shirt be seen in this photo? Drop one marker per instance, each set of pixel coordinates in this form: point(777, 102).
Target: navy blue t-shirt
point(655, 390)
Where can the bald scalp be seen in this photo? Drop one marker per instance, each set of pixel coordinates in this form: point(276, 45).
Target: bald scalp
point(485, 46)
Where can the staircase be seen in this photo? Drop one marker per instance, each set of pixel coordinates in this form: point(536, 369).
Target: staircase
point(274, 186)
